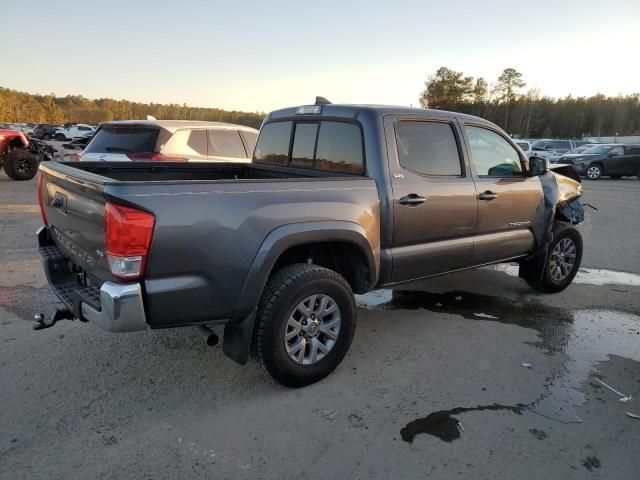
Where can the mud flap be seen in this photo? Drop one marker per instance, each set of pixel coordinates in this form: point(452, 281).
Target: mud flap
point(237, 338)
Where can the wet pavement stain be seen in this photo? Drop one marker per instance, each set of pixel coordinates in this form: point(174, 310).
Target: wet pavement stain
point(591, 462)
point(553, 324)
point(443, 425)
point(539, 434)
point(587, 337)
point(25, 300)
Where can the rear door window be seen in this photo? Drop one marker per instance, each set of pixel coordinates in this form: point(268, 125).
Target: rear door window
point(226, 143)
point(197, 141)
point(124, 139)
point(428, 148)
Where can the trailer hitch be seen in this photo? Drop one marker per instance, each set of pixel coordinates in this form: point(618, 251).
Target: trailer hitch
point(60, 314)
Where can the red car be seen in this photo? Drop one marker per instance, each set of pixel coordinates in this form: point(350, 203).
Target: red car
point(20, 156)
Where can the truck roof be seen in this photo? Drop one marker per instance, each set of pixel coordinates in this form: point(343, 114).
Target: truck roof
point(352, 110)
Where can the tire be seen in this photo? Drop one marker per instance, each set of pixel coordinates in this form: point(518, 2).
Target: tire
point(594, 171)
point(21, 164)
point(60, 137)
point(549, 281)
point(46, 136)
point(283, 332)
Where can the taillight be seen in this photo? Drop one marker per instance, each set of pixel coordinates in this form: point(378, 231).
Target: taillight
point(41, 200)
point(154, 157)
point(127, 233)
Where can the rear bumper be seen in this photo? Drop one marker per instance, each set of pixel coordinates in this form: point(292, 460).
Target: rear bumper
point(121, 308)
point(115, 307)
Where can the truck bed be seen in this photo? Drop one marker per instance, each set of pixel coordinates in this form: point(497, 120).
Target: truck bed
point(212, 221)
point(194, 171)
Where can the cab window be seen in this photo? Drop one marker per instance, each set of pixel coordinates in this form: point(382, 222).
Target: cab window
point(428, 148)
point(491, 154)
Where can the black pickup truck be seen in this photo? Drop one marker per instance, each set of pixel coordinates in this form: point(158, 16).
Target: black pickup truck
point(338, 199)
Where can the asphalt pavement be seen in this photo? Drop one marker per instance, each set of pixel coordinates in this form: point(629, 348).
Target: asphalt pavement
point(471, 375)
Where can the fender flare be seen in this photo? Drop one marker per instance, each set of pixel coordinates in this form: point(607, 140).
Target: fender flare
point(239, 330)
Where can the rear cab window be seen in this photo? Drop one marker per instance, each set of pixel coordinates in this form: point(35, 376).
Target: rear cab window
point(116, 138)
point(325, 145)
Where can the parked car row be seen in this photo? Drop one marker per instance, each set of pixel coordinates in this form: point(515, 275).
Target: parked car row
point(613, 160)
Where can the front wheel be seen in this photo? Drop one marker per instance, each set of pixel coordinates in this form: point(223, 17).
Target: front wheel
point(594, 172)
point(21, 164)
point(561, 264)
point(306, 320)
point(60, 137)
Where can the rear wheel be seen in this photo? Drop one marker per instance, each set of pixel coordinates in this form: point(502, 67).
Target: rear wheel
point(21, 164)
point(46, 136)
point(594, 172)
point(562, 262)
point(306, 320)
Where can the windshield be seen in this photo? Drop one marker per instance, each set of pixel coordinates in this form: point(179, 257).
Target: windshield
point(598, 149)
point(523, 145)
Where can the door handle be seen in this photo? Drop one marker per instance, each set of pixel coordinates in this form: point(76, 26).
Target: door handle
point(488, 195)
point(412, 199)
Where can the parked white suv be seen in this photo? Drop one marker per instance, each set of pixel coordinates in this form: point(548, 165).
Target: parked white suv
point(74, 131)
point(171, 140)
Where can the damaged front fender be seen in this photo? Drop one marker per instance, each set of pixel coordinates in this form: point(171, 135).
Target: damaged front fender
point(560, 205)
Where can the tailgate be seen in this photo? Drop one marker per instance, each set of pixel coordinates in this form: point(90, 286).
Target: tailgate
point(74, 208)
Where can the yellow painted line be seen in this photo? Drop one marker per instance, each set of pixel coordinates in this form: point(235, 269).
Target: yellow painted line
point(19, 208)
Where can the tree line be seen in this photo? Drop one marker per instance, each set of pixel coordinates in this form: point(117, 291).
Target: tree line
point(528, 114)
point(22, 107)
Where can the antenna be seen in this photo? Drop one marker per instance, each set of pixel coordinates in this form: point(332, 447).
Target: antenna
point(322, 101)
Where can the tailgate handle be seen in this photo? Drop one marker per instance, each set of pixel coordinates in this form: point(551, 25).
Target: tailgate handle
point(60, 202)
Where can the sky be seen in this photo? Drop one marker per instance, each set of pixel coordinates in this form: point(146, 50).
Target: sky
point(259, 56)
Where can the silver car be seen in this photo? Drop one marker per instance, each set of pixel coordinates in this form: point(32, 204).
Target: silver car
point(171, 140)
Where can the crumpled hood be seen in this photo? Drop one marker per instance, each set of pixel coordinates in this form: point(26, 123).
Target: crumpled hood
point(568, 189)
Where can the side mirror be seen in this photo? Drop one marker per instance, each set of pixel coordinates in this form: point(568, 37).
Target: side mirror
point(538, 166)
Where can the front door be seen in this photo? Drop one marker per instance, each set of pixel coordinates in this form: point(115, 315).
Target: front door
point(508, 202)
point(434, 198)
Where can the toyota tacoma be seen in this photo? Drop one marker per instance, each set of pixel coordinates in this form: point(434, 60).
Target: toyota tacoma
point(338, 199)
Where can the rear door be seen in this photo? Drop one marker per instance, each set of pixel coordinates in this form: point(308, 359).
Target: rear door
point(507, 200)
point(434, 198)
point(619, 161)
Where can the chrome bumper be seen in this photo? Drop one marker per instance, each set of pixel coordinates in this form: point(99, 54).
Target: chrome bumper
point(121, 308)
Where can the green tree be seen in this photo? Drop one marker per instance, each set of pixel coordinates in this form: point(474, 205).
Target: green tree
point(508, 83)
point(445, 88)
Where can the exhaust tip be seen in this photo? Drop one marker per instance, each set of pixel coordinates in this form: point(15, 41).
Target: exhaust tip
point(211, 338)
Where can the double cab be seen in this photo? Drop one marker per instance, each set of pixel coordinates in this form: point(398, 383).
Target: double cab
point(337, 200)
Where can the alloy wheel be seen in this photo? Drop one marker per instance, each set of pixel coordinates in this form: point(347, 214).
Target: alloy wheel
point(312, 329)
point(563, 259)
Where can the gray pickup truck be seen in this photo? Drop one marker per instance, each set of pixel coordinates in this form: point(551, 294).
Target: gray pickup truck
point(338, 199)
